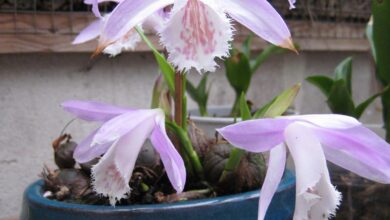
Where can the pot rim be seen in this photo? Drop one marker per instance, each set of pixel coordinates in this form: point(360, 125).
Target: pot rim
point(194, 115)
point(34, 195)
point(210, 119)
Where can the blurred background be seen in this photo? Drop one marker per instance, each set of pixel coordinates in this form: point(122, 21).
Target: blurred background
point(39, 69)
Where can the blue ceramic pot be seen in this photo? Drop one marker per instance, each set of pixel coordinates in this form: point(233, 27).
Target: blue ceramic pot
point(240, 206)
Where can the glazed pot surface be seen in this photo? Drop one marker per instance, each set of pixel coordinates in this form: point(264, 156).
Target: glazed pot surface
point(239, 206)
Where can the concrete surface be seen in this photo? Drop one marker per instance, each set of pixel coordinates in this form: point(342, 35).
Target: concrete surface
point(33, 85)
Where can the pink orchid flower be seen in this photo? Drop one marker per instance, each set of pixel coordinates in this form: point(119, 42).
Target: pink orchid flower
point(125, 43)
point(311, 139)
point(198, 31)
point(120, 139)
point(128, 41)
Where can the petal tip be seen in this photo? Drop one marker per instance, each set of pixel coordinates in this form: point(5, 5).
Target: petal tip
point(289, 44)
point(99, 49)
point(75, 42)
point(101, 46)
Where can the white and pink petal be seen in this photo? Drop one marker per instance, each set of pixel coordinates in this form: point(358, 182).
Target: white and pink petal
point(112, 174)
point(292, 3)
point(260, 17)
point(276, 165)
point(91, 32)
point(316, 197)
point(357, 149)
point(119, 126)
point(84, 151)
point(95, 5)
point(93, 111)
point(173, 163)
point(126, 15)
point(256, 135)
point(331, 121)
point(125, 43)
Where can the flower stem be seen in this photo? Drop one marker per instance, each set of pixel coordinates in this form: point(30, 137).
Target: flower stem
point(181, 122)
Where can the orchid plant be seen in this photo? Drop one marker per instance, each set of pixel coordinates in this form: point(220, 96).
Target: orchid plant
point(194, 33)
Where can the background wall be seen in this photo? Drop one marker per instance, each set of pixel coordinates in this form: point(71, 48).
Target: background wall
point(33, 85)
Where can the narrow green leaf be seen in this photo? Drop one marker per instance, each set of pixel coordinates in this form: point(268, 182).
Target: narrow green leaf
point(199, 94)
point(324, 83)
point(244, 108)
point(362, 106)
point(381, 36)
point(386, 112)
point(166, 68)
point(202, 85)
point(187, 146)
point(161, 96)
point(157, 90)
point(192, 91)
point(344, 71)
point(232, 164)
point(282, 102)
point(204, 94)
point(370, 37)
point(238, 71)
point(184, 114)
point(340, 100)
point(246, 45)
point(260, 113)
point(264, 55)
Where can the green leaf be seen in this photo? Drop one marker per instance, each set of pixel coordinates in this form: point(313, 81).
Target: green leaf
point(381, 36)
point(199, 94)
point(362, 106)
point(386, 112)
point(202, 85)
point(191, 90)
point(232, 163)
point(244, 108)
point(279, 104)
point(260, 113)
point(324, 83)
point(340, 100)
point(264, 55)
point(161, 97)
point(157, 90)
point(166, 68)
point(246, 45)
point(187, 147)
point(370, 37)
point(238, 71)
point(184, 114)
point(344, 71)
